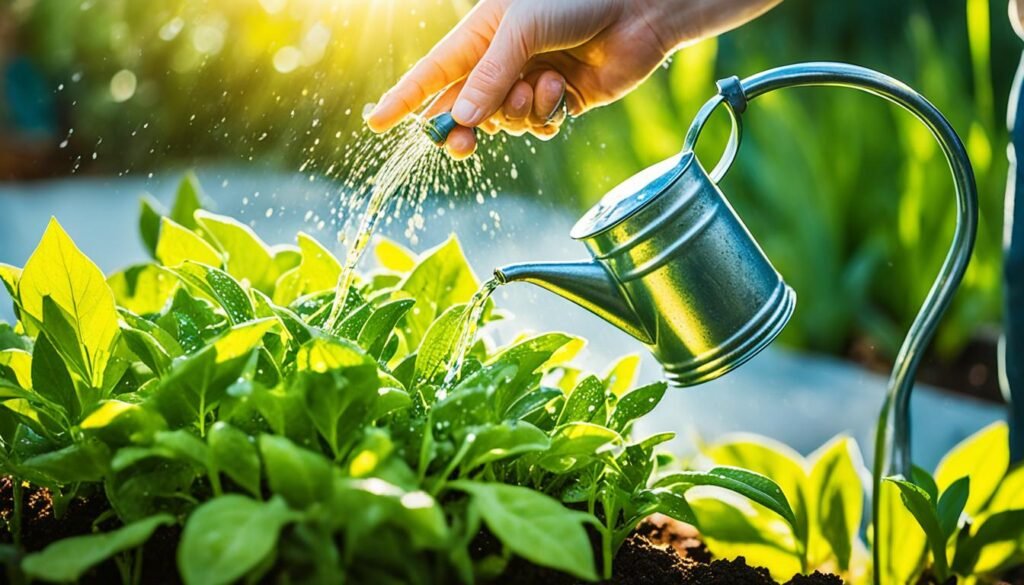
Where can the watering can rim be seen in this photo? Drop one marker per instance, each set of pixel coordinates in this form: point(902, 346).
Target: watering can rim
point(600, 218)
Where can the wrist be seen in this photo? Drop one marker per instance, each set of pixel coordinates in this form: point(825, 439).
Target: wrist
point(681, 22)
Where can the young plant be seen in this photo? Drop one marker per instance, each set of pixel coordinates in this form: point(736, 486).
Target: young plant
point(205, 389)
point(967, 519)
point(827, 495)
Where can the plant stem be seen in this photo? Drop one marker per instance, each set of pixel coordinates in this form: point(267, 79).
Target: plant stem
point(18, 495)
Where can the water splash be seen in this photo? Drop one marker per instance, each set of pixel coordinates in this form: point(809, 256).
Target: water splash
point(474, 312)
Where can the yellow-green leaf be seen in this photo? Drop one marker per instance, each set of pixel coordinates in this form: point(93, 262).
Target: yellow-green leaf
point(319, 268)
point(984, 457)
point(621, 376)
point(393, 256)
point(442, 279)
point(245, 254)
point(10, 275)
point(142, 289)
point(178, 244)
point(59, 270)
point(19, 363)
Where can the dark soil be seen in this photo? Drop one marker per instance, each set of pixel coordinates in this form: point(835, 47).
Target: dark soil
point(661, 552)
point(974, 373)
point(40, 527)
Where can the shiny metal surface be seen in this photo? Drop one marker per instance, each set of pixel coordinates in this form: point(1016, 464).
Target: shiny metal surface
point(673, 265)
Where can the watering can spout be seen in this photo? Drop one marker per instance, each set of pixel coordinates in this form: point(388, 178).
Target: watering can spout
point(586, 283)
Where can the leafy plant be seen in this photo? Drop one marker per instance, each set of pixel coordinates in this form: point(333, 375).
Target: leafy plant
point(970, 513)
point(203, 389)
point(822, 531)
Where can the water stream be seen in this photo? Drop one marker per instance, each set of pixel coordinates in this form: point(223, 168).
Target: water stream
point(474, 312)
point(407, 164)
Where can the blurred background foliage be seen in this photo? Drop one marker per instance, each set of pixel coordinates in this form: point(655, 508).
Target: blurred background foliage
point(849, 196)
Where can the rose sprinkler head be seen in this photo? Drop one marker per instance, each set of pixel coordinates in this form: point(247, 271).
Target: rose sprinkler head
point(439, 127)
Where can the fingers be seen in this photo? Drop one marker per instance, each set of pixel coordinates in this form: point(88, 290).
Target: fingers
point(495, 74)
point(461, 143)
point(548, 98)
point(519, 102)
point(450, 60)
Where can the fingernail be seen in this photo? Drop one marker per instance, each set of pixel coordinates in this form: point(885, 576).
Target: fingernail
point(559, 112)
point(465, 113)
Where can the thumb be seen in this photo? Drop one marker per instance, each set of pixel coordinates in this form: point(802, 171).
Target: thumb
point(495, 74)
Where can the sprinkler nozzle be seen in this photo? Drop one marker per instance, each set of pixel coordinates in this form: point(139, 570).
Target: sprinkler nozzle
point(439, 127)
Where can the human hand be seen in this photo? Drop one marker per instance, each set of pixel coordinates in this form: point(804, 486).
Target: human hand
point(521, 65)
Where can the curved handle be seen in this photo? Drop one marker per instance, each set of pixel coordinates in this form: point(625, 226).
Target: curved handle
point(730, 94)
point(953, 267)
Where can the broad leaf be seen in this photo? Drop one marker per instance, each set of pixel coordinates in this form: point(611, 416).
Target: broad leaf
point(216, 283)
point(59, 271)
point(443, 278)
point(246, 256)
point(69, 559)
point(534, 526)
point(984, 456)
point(178, 244)
point(229, 536)
point(235, 453)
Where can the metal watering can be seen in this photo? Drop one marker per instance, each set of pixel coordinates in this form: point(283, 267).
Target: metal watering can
point(672, 264)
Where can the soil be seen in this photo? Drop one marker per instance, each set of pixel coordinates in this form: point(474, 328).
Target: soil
point(40, 527)
point(974, 373)
point(661, 551)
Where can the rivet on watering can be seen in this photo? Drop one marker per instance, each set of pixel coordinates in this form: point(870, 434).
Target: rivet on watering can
point(439, 127)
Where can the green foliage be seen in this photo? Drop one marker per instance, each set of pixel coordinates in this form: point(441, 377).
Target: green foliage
point(973, 509)
point(822, 527)
point(203, 389)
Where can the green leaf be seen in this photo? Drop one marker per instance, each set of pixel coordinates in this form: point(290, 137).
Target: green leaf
point(984, 457)
point(586, 403)
point(51, 380)
point(246, 256)
point(195, 384)
point(839, 496)
point(903, 543)
point(178, 244)
point(920, 505)
point(735, 528)
point(377, 329)
point(418, 516)
point(59, 271)
point(621, 376)
point(442, 279)
point(297, 329)
point(150, 213)
point(300, 476)
point(506, 439)
point(531, 403)
point(636, 404)
point(393, 256)
point(191, 321)
point(142, 289)
point(438, 343)
point(87, 460)
point(220, 286)
point(576, 444)
point(748, 484)
point(229, 536)
point(1006, 526)
point(340, 401)
point(70, 558)
point(951, 505)
point(187, 200)
point(672, 504)
point(534, 526)
point(16, 367)
point(319, 269)
point(235, 453)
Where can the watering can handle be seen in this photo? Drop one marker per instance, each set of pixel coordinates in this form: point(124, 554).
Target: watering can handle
point(730, 95)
